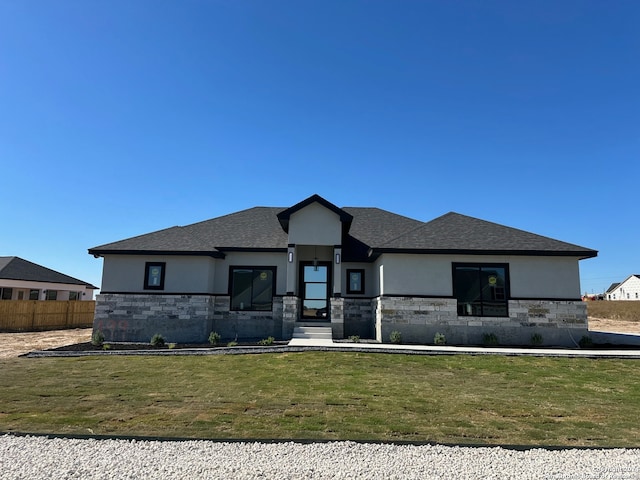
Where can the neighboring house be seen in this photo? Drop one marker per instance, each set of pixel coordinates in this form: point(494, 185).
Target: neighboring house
point(363, 271)
point(629, 289)
point(24, 280)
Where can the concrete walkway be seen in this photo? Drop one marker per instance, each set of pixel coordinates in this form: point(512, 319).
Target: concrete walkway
point(465, 350)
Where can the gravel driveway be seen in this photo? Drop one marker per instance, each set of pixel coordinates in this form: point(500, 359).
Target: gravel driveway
point(40, 458)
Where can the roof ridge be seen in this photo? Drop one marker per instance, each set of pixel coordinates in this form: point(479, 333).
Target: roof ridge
point(404, 233)
point(422, 225)
point(546, 237)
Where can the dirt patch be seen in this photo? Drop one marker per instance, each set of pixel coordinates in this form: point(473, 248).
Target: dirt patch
point(14, 344)
point(609, 325)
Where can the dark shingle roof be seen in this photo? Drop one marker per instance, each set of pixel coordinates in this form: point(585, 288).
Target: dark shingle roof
point(612, 287)
point(256, 228)
point(454, 232)
point(16, 268)
point(371, 231)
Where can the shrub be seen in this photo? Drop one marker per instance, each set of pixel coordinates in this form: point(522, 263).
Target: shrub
point(157, 340)
point(439, 339)
point(233, 343)
point(214, 338)
point(106, 346)
point(395, 337)
point(489, 339)
point(536, 339)
point(355, 338)
point(585, 342)
point(267, 341)
point(172, 346)
point(97, 338)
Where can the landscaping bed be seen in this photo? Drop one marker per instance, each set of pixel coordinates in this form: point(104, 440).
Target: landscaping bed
point(89, 347)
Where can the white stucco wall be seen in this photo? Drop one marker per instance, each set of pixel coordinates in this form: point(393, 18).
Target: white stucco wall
point(544, 277)
point(629, 289)
point(125, 273)
point(63, 289)
point(530, 277)
point(315, 225)
point(370, 281)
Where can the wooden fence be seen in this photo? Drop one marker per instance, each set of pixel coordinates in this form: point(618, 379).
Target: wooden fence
point(33, 315)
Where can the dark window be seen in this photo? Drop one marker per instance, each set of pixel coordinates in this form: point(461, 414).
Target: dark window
point(6, 293)
point(315, 283)
point(154, 275)
point(355, 281)
point(251, 288)
point(51, 295)
point(481, 290)
point(74, 295)
point(34, 294)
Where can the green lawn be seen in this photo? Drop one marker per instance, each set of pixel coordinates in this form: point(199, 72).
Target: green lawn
point(320, 395)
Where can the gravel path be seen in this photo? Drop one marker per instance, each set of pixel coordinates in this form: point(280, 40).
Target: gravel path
point(40, 457)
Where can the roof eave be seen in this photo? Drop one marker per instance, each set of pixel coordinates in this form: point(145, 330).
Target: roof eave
point(253, 249)
point(96, 252)
point(584, 254)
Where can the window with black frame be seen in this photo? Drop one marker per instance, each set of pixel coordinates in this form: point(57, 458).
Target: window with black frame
point(355, 280)
point(251, 288)
point(154, 273)
point(481, 289)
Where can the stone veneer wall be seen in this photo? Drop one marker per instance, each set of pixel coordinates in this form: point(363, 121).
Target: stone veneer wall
point(418, 319)
point(182, 318)
point(291, 306)
point(358, 317)
point(337, 317)
point(190, 318)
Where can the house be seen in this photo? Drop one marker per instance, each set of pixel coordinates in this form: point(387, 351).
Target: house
point(362, 271)
point(24, 280)
point(629, 289)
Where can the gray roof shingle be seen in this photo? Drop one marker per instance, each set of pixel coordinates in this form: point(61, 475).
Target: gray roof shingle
point(16, 268)
point(456, 232)
point(372, 231)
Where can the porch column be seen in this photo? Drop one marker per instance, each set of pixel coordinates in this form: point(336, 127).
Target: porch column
point(292, 261)
point(337, 270)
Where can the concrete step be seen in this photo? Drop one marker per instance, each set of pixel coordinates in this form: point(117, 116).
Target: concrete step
point(317, 333)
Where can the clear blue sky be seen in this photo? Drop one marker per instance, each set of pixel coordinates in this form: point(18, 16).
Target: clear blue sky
point(118, 118)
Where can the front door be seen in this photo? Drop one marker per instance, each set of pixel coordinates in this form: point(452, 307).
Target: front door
point(315, 284)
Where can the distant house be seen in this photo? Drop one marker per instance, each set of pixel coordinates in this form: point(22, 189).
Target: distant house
point(360, 271)
point(629, 289)
point(24, 280)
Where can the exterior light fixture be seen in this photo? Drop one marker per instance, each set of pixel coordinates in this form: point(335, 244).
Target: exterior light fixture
point(315, 259)
point(337, 258)
point(290, 257)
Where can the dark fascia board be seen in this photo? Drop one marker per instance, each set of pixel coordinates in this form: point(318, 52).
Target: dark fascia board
point(285, 215)
point(376, 252)
point(98, 252)
point(251, 249)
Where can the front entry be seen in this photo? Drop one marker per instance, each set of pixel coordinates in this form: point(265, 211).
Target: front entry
point(315, 285)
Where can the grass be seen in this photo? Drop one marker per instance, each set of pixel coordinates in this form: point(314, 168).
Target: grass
point(320, 395)
point(615, 310)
